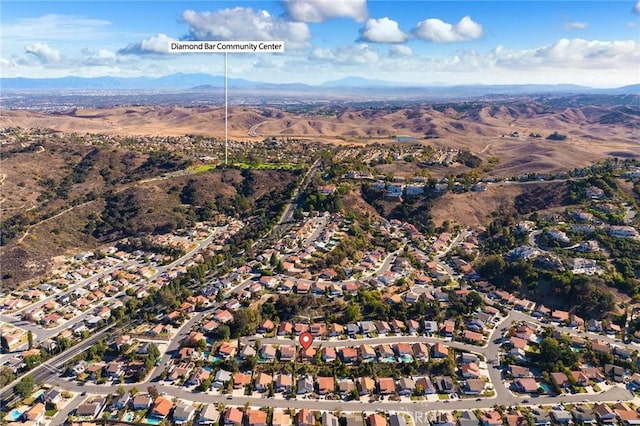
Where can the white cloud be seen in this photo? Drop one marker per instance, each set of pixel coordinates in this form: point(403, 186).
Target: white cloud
point(54, 27)
point(569, 26)
point(383, 30)
point(242, 23)
point(438, 31)
point(43, 52)
point(359, 54)
point(101, 57)
point(636, 8)
point(399, 51)
point(158, 43)
point(572, 53)
point(322, 10)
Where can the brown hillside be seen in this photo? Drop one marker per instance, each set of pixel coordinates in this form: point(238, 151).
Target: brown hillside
point(145, 198)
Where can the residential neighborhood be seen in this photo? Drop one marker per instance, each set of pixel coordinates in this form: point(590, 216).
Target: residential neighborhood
point(407, 326)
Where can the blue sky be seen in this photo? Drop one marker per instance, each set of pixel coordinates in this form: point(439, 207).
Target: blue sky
point(595, 43)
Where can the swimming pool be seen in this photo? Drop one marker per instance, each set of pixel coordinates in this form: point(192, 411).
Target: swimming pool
point(545, 387)
point(152, 421)
point(128, 417)
point(14, 415)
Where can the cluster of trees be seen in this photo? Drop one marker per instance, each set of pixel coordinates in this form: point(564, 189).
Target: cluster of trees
point(510, 276)
point(556, 355)
point(347, 248)
point(147, 245)
point(153, 353)
point(555, 136)
point(170, 296)
point(368, 303)
point(11, 227)
point(287, 306)
point(25, 386)
point(247, 187)
point(188, 193)
point(415, 210)
point(468, 159)
point(310, 201)
point(6, 376)
point(160, 161)
point(602, 180)
point(116, 218)
point(586, 295)
point(20, 149)
point(624, 256)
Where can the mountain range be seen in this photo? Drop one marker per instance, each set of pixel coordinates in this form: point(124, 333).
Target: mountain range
point(198, 82)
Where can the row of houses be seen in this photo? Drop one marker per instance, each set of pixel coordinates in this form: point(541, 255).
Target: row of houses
point(382, 353)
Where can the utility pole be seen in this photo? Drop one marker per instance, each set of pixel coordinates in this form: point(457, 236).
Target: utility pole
point(227, 46)
point(226, 113)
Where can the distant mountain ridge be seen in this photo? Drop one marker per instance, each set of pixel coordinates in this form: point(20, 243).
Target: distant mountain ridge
point(201, 81)
point(179, 81)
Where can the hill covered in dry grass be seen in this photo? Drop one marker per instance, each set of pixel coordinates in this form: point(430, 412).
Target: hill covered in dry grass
point(61, 197)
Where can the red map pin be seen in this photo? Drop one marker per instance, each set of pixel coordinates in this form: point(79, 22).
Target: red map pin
point(306, 339)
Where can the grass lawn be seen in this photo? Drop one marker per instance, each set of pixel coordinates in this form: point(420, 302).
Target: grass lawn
point(268, 166)
point(202, 168)
point(50, 413)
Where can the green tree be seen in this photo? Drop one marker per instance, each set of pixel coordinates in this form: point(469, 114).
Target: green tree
point(25, 386)
point(153, 351)
point(6, 376)
point(30, 338)
point(475, 300)
point(244, 323)
point(32, 361)
point(201, 345)
point(223, 332)
point(352, 313)
point(204, 385)
point(550, 353)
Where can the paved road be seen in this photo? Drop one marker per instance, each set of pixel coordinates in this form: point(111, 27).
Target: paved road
point(287, 213)
point(48, 371)
point(490, 351)
point(612, 340)
point(614, 394)
point(41, 334)
point(62, 415)
point(454, 243)
point(186, 328)
point(253, 131)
